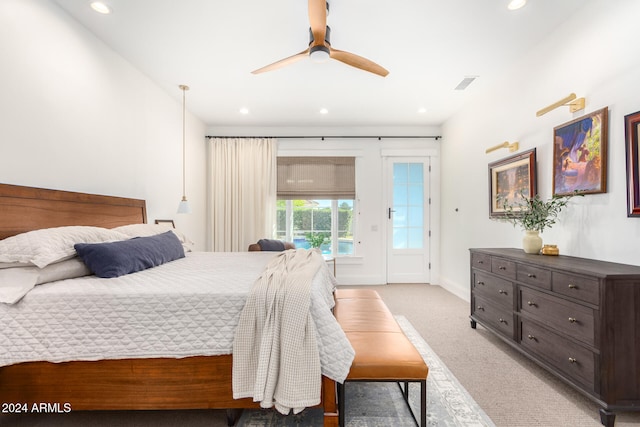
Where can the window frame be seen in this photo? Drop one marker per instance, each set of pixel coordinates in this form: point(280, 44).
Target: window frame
point(334, 225)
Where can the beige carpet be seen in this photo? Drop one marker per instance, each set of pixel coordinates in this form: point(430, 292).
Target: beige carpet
point(510, 389)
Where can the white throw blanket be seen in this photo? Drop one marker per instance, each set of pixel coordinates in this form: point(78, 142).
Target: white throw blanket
point(275, 350)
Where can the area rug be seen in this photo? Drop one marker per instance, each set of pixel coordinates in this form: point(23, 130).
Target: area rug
point(382, 405)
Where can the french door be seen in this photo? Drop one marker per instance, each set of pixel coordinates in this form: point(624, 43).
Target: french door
point(408, 219)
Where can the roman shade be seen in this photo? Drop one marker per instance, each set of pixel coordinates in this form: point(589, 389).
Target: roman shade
point(330, 178)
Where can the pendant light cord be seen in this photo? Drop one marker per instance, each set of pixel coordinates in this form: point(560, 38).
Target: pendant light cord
point(184, 150)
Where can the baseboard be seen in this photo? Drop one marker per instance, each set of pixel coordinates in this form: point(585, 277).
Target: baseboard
point(461, 292)
point(359, 280)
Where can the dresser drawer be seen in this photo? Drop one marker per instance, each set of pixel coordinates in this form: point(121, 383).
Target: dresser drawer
point(571, 359)
point(481, 261)
point(503, 267)
point(573, 316)
point(495, 289)
point(497, 316)
point(533, 276)
point(578, 287)
point(567, 317)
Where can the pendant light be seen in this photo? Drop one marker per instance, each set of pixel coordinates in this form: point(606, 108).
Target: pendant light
point(183, 207)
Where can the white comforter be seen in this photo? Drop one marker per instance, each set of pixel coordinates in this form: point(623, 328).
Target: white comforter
point(188, 307)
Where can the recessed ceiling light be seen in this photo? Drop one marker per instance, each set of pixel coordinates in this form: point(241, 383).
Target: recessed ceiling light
point(100, 7)
point(244, 110)
point(422, 110)
point(324, 111)
point(516, 4)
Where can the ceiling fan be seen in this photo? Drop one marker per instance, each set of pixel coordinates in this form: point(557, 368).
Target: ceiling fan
point(320, 45)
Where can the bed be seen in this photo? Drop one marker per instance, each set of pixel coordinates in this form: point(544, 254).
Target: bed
point(181, 381)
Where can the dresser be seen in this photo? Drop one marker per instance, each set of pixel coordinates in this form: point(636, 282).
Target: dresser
point(578, 318)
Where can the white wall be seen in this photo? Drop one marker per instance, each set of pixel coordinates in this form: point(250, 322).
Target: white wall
point(595, 55)
point(76, 116)
point(368, 266)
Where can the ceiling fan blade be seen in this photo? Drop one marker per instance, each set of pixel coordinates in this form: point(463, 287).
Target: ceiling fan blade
point(318, 20)
point(358, 62)
point(283, 62)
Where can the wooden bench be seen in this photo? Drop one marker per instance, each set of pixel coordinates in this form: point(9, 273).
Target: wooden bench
point(382, 351)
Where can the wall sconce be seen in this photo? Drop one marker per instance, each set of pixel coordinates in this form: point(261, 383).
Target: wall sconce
point(573, 103)
point(513, 146)
point(183, 207)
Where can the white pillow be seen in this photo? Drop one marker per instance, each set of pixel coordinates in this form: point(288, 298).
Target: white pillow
point(16, 282)
point(50, 245)
point(13, 264)
point(143, 230)
point(146, 230)
point(67, 269)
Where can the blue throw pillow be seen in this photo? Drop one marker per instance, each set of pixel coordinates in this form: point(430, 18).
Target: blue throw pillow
point(271, 245)
point(115, 259)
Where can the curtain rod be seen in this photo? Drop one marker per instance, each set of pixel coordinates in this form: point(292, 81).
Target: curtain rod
point(436, 137)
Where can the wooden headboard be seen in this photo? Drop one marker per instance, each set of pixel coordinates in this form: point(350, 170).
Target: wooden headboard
point(24, 209)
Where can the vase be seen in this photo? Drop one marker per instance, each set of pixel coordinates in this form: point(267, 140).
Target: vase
point(531, 242)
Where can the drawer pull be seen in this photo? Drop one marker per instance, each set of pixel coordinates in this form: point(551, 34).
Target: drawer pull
point(531, 337)
point(480, 308)
point(572, 286)
point(572, 360)
point(531, 276)
point(502, 321)
point(502, 267)
point(503, 292)
point(572, 320)
point(531, 304)
point(480, 262)
point(480, 282)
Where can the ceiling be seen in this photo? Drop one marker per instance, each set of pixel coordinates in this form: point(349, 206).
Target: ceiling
point(428, 46)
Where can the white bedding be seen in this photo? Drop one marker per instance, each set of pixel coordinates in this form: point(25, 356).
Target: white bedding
point(187, 307)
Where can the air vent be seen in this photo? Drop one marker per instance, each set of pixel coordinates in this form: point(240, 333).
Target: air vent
point(466, 82)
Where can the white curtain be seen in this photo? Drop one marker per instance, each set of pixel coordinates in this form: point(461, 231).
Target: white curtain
point(242, 182)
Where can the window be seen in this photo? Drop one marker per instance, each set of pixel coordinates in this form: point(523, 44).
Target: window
point(307, 223)
point(316, 201)
point(408, 205)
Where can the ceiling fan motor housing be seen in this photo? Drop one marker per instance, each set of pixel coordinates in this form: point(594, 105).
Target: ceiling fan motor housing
point(327, 37)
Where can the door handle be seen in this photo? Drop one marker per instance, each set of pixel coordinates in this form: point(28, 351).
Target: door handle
point(390, 211)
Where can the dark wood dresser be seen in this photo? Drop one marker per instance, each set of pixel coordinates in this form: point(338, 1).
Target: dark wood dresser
point(578, 318)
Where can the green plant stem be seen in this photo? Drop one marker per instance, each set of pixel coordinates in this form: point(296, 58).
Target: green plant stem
point(533, 213)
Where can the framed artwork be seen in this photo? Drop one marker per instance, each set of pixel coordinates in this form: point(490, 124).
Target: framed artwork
point(580, 155)
point(166, 221)
point(631, 131)
point(509, 178)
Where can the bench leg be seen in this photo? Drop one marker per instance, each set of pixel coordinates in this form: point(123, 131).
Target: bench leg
point(341, 405)
point(405, 395)
point(423, 403)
